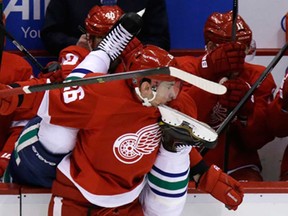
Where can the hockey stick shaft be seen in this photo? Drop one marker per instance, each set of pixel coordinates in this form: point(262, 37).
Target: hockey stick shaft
point(233, 39)
point(192, 79)
point(84, 81)
point(21, 48)
point(234, 19)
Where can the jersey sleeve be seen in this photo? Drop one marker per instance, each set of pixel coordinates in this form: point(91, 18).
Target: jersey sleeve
point(75, 106)
point(71, 107)
point(70, 57)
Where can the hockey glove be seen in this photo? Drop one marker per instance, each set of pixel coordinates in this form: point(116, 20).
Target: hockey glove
point(227, 59)
point(131, 47)
point(52, 71)
point(222, 187)
point(7, 104)
point(283, 93)
point(236, 90)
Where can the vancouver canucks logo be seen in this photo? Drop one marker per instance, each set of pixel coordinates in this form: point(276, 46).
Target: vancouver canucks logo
point(130, 148)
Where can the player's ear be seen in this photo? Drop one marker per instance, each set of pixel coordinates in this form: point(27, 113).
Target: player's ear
point(145, 89)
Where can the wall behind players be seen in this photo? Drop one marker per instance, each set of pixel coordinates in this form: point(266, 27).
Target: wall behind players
point(24, 20)
point(186, 18)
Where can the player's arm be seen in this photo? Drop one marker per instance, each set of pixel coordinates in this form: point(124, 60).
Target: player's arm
point(76, 102)
point(9, 104)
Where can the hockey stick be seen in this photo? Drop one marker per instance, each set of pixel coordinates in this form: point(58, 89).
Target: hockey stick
point(234, 39)
point(199, 82)
point(21, 48)
point(257, 83)
point(234, 19)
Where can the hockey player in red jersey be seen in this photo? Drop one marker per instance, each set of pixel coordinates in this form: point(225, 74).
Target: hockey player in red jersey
point(99, 20)
point(70, 57)
point(13, 68)
point(224, 62)
point(277, 119)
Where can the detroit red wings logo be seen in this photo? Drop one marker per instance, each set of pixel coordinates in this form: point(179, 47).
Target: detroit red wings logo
point(130, 147)
point(218, 115)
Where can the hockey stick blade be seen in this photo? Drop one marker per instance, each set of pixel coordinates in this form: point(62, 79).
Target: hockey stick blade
point(199, 82)
point(206, 85)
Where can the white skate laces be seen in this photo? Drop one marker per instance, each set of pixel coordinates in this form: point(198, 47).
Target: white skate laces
point(120, 35)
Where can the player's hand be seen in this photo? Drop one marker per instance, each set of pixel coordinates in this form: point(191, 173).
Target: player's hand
point(4, 160)
point(236, 90)
point(225, 61)
point(52, 71)
point(283, 91)
point(7, 104)
point(222, 187)
point(84, 42)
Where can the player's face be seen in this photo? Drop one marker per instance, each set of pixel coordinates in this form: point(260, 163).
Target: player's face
point(165, 91)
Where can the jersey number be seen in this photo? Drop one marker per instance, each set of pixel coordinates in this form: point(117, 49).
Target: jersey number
point(73, 93)
point(69, 59)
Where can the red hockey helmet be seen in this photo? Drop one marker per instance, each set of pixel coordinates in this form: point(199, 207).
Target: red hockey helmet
point(100, 19)
point(218, 29)
point(150, 56)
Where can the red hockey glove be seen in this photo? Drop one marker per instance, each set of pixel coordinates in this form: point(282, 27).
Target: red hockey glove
point(4, 160)
point(51, 71)
point(222, 187)
point(132, 46)
point(225, 60)
point(7, 104)
point(283, 91)
point(236, 89)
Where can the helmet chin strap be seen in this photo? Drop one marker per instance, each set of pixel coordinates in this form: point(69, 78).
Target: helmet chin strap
point(146, 101)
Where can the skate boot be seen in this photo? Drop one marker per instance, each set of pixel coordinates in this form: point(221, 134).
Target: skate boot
point(128, 26)
point(180, 130)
